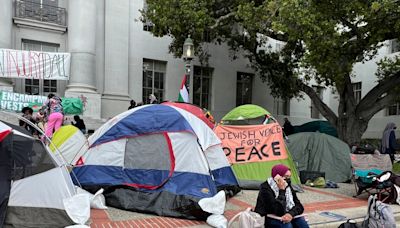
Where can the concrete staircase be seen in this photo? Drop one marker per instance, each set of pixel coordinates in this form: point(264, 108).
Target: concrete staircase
point(91, 124)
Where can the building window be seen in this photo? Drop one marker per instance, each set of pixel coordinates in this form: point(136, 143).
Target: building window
point(244, 88)
point(40, 86)
point(153, 79)
point(393, 110)
point(394, 46)
point(281, 107)
point(147, 24)
point(41, 10)
point(314, 111)
point(357, 91)
point(202, 86)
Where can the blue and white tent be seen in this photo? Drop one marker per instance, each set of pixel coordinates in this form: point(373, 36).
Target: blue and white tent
point(156, 159)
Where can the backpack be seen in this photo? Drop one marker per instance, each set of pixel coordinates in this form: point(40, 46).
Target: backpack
point(349, 224)
point(379, 214)
point(248, 219)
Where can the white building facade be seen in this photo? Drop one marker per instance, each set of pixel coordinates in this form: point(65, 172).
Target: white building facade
point(114, 59)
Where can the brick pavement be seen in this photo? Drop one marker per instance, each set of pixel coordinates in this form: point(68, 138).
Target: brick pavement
point(101, 219)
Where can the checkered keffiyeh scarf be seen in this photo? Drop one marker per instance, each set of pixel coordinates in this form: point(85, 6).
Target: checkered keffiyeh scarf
point(288, 193)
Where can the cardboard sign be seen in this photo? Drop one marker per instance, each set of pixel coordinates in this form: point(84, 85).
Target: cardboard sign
point(254, 143)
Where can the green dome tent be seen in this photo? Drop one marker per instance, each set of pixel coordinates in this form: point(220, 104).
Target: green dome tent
point(313, 151)
point(322, 126)
point(245, 112)
point(254, 159)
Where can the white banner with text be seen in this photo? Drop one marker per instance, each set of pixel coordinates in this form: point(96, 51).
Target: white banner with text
point(34, 64)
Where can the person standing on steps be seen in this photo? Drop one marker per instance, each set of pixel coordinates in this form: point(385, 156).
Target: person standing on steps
point(56, 115)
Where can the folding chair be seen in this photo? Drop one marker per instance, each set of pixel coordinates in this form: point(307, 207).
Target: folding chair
point(368, 181)
point(366, 173)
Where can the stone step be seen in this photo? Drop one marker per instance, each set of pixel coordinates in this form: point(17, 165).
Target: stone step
point(91, 124)
point(359, 220)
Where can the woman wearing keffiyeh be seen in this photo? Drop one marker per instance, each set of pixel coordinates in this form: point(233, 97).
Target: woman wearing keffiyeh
point(277, 198)
point(389, 145)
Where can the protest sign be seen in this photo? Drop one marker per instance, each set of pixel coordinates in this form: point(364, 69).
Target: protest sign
point(16, 101)
point(255, 143)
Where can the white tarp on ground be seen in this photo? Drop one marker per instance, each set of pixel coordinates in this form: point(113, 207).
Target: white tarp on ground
point(34, 64)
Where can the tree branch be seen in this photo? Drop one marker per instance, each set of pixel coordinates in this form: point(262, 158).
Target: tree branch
point(378, 105)
point(321, 106)
point(353, 28)
point(366, 105)
point(221, 18)
point(277, 35)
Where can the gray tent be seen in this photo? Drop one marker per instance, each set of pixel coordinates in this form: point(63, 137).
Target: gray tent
point(314, 151)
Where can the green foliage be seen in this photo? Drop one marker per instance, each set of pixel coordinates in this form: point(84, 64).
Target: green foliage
point(324, 39)
point(396, 168)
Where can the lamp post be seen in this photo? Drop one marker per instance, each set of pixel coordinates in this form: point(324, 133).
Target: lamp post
point(188, 55)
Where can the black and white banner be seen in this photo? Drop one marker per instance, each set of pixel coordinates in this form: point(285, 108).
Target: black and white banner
point(34, 65)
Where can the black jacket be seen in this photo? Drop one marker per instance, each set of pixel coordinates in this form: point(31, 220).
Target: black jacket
point(80, 124)
point(268, 204)
point(393, 146)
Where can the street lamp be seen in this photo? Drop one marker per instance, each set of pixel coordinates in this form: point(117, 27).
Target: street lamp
point(188, 53)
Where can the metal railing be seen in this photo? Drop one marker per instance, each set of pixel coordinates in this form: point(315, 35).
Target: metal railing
point(40, 12)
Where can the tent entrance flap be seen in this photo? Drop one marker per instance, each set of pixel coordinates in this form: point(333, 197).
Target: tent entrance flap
point(149, 160)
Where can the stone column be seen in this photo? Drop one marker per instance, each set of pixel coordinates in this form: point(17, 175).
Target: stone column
point(82, 26)
point(6, 24)
point(115, 98)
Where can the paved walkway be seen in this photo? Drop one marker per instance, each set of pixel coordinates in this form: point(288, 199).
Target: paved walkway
point(314, 201)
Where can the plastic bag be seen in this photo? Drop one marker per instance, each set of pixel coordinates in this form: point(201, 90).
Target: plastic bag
point(215, 204)
point(218, 221)
point(97, 200)
point(78, 208)
point(248, 219)
point(77, 226)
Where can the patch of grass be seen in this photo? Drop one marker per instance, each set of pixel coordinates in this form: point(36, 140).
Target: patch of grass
point(396, 168)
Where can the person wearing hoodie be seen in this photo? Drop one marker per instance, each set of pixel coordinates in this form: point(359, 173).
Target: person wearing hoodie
point(389, 144)
point(277, 199)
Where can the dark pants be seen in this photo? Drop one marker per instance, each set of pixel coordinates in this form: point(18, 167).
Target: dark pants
point(391, 157)
point(295, 223)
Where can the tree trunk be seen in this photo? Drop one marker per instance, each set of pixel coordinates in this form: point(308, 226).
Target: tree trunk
point(350, 128)
point(352, 119)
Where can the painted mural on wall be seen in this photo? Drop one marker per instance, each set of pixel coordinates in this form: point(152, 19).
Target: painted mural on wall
point(34, 64)
point(16, 101)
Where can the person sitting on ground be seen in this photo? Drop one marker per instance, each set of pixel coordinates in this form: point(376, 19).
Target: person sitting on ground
point(277, 198)
point(79, 124)
point(28, 114)
point(133, 104)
